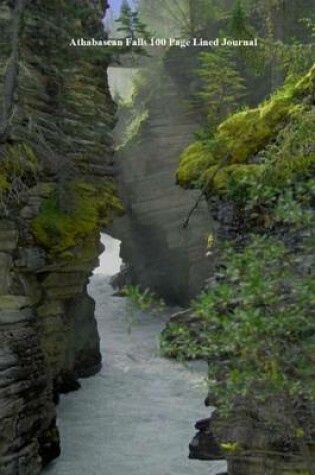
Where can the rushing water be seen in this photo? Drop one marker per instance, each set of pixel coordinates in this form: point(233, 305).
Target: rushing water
point(137, 415)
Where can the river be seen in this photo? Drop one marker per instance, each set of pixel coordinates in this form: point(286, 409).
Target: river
point(136, 417)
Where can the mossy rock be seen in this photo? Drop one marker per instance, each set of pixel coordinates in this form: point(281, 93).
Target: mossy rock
point(4, 185)
point(18, 159)
point(43, 189)
point(196, 158)
point(306, 85)
point(13, 302)
point(244, 135)
point(234, 171)
point(108, 203)
point(59, 228)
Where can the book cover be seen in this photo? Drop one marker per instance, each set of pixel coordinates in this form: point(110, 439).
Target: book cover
point(157, 237)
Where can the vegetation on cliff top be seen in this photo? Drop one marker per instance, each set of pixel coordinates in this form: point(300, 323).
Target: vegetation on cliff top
point(284, 122)
point(254, 323)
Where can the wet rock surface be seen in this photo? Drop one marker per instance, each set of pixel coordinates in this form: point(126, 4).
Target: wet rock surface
point(204, 445)
point(27, 413)
point(48, 338)
point(160, 254)
point(48, 333)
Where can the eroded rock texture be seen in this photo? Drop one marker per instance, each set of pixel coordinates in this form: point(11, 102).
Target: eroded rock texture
point(261, 449)
point(56, 189)
point(159, 252)
point(48, 338)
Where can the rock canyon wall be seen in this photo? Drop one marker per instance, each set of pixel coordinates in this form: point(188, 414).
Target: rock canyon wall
point(153, 130)
point(56, 190)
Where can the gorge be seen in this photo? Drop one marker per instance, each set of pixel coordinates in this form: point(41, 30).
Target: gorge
point(78, 159)
point(57, 192)
point(123, 420)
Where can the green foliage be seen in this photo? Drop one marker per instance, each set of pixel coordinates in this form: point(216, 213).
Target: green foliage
point(270, 207)
point(294, 59)
point(289, 211)
point(182, 342)
point(256, 325)
point(125, 19)
point(223, 86)
point(278, 133)
point(143, 299)
point(19, 171)
point(238, 27)
point(286, 42)
point(310, 25)
point(140, 299)
point(60, 127)
point(289, 159)
point(169, 18)
point(130, 22)
point(293, 153)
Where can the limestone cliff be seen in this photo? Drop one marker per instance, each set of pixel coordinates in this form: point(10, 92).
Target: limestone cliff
point(155, 127)
point(56, 190)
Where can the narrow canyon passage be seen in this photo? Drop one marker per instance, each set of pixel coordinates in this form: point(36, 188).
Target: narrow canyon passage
point(136, 416)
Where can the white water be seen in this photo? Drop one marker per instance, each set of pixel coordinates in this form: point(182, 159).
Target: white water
point(110, 261)
point(136, 417)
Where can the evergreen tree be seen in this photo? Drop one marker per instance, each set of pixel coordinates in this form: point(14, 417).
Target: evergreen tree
point(130, 23)
point(239, 24)
point(286, 45)
point(125, 19)
point(223, 86)
point(180, 17)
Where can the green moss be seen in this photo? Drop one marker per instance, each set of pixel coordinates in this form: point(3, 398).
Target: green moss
point(108, 203)
point(248, 133)
point(58, 230)
point(18, 159)
point(12, 302)
point(293, 153)
point(196, 158)
point(4, 185)
point(133, 127)
point(306, 85)
point(234, 171)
